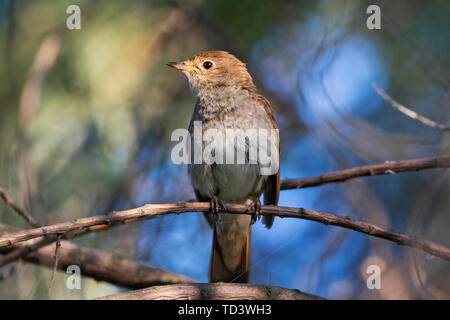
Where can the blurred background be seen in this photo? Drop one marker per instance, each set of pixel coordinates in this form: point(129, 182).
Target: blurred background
point(86, 117)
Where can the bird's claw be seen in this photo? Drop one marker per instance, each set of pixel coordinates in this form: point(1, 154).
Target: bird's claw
point(217, 205)
point(256, 207)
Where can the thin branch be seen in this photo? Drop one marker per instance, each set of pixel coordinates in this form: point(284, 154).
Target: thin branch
point(23, 250)
point(154, 210)
point(55, 260)
point(412, 114)
point(213, 291)
point(10, 202)
point(94, 263)
point(391, 167)
point(20, 252)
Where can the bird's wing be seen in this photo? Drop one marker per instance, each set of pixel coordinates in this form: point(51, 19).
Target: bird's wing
point(272, 187)
point(208, 216)
point(271, 194)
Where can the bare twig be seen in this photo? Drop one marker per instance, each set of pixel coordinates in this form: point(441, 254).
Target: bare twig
point(10, 202)
point(412, 114)
point(94, 263)
point(155, 210)
point(55, 260)
point(213, 291)
point(390, 167)
point(20, 252)
point(23, 250)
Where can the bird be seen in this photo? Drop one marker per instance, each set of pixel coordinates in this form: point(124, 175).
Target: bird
point(227, 98)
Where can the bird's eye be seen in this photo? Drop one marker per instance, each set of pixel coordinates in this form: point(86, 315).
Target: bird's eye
point(207, 64)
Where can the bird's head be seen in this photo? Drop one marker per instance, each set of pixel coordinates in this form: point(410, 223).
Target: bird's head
point(213, 70)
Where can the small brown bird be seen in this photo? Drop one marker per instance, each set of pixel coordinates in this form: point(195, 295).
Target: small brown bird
point(227, 99)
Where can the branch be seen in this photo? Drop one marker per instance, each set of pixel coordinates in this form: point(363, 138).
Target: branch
point(155, 210)
point(94, 263)
point(391, 167)
point(10, 202)
point(213, 291)
point(20, 252)
point(412, 114)
point(55, 260)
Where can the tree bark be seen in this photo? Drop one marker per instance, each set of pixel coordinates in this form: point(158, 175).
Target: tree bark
point(154, 210)
point(213, 291)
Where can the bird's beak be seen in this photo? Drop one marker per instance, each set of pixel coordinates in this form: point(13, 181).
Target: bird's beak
point(181, 66)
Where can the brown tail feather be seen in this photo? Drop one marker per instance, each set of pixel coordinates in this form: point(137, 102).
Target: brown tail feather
point(219, 273)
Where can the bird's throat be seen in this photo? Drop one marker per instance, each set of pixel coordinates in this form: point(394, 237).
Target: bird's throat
point(219, 102)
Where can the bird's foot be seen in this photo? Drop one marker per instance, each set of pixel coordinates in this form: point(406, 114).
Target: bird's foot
point(256, 207)
point(217, 205)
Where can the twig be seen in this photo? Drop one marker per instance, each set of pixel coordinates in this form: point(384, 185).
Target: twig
point(10, 202)
point(390, 167)
point(55, 260)
point(28, 248)
point(20, 252)
point(155, 210)
point(213, 291)
point(94, 263)
point(412, 114)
